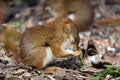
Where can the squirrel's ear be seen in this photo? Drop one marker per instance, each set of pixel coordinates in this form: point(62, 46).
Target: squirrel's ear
point(67, 28)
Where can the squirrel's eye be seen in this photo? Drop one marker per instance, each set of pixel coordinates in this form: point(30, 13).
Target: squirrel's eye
point(67, 28)
point(66, 32)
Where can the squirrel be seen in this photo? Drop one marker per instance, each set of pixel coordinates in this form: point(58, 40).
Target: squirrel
point(41, 44)
point(79, 11)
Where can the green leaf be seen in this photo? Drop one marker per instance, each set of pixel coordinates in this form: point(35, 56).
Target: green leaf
point(17, 42)
point(98, 76)
point(81, 56)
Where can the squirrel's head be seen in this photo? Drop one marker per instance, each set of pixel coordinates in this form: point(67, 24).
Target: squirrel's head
point(69, 32)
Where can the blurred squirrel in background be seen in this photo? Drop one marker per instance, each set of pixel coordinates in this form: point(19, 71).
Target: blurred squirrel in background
point(79, 11)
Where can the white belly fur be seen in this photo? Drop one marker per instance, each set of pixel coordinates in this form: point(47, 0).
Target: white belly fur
point(49, 56)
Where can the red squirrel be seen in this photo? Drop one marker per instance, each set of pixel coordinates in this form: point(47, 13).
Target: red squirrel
point(41, 44)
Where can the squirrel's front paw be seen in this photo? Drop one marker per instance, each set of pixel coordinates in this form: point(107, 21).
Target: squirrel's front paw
point(77, 53)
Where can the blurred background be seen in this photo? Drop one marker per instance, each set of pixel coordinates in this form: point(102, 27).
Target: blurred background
point(34, 10)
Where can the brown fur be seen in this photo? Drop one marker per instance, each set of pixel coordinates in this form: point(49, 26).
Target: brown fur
point(35, 40)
